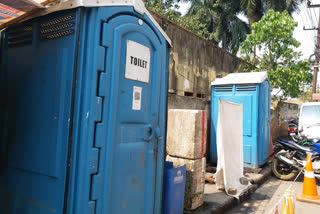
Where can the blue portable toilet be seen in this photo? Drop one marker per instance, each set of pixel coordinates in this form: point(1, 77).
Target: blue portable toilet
point(87, 90)
point(253, 91)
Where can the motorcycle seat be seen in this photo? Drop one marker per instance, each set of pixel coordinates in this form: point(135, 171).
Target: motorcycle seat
point(305, 148)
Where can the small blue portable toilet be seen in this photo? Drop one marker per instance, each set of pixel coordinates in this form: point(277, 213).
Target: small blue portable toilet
point(253, 91)
point(86, 110)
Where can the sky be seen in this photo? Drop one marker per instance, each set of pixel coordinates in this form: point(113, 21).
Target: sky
point(304, 17)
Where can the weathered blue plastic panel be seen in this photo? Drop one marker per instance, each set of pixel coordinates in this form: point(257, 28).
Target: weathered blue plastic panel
point(75, 145)
point(39, 79)
point(256, 119)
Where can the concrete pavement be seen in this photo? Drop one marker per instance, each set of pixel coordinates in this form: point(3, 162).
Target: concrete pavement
point(217, 201)
point(263, 200)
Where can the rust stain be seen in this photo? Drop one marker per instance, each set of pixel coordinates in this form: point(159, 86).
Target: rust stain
point(142, 158)
point(134, 180)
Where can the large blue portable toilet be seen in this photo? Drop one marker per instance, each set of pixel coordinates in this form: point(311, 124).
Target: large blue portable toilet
point(253, 91)
point(86, 110)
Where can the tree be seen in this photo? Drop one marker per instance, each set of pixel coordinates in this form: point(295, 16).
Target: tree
point(168, 10)
point(255, 9)
point(222, 22)
point(164, 8)
point(273, 38)
point(213, 20)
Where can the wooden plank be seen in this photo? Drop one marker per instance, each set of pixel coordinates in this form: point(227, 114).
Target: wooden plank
point(32, 10)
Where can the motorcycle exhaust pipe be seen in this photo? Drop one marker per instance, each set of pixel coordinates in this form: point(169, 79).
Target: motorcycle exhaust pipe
point(292, 163)
point(286, 160)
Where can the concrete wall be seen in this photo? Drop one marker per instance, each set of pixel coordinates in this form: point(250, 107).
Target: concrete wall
point(195, 62)
point(281, 112)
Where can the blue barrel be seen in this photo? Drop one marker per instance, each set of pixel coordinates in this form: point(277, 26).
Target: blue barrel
point(174, 186)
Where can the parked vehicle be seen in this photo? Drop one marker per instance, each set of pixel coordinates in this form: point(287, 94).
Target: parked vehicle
point(290, 158)
point(309, 120)
point(293, 129)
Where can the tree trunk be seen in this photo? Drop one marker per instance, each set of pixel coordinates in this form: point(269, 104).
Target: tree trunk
point(252, 19)
point(224, 41)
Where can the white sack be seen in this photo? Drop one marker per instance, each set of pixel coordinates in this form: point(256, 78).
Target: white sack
point(230, 147)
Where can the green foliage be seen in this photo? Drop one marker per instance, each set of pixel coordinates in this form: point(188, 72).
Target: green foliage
point(255, 9)
point(273, 38)
point(164, 8)
point(213, 20)
point(217, 20)
point(222, 22)
point(193, 23)
point(164, 5)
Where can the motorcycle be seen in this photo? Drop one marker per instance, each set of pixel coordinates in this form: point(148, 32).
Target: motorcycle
point(290, 158)
point(293, 129)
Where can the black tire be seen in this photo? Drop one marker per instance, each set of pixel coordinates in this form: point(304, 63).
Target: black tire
point(282, 170)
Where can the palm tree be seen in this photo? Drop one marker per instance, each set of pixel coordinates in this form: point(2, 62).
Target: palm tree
point(222, 22)
point(255, 9)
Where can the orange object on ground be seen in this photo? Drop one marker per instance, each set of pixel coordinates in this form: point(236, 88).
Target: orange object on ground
point(288, 207)
point(309, 193)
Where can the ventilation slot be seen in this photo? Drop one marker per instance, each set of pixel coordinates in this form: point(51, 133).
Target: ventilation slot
point(57, 28)
point(246, 88)
point(20, 36)
point(223, 88)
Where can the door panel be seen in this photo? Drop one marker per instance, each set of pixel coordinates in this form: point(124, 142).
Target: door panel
point(133, 147)
point(249, 139)
point(40, 114)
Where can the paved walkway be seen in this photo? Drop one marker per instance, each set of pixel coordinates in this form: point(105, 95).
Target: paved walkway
point(268, 195)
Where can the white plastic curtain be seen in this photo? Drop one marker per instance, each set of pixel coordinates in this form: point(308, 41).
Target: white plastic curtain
point(230, 148)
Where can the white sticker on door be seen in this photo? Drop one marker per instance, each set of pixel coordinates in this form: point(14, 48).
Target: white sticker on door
point(136, 99)
point(137, 62)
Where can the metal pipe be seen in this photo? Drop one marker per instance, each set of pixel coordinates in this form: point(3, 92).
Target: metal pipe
point(286, 160)
point(315, 71)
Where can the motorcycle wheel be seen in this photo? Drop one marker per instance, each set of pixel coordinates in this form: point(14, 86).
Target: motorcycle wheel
point(282, 170)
